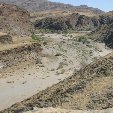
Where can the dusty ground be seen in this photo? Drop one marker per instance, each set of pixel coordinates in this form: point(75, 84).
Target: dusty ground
point(60, 57)
point(58, 110)
point(17, 42)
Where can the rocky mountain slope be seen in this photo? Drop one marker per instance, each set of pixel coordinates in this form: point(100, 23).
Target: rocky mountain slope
point(41, 9)
point(44, 5)
point(104, 33)
point(14, 20)
point(75, 21)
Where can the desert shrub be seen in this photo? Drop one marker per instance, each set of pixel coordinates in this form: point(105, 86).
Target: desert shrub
point(37, 38)
point(82, 55)
point(82, 39)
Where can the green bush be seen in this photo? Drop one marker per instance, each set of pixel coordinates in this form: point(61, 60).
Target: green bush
point(37, 38)
point(84, 40)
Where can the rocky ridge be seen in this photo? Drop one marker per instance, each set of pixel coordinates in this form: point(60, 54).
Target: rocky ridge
point(75, 21)
point(44, 5)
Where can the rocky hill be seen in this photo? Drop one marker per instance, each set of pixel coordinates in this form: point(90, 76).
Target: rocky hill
point(43, 8)
point(30, 5)
point(44, 5)
point(75, 21)
point(104, 33)
point(14, 20)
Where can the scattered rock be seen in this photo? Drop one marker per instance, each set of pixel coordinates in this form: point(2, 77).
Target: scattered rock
point(58, 54)
point(5, 39)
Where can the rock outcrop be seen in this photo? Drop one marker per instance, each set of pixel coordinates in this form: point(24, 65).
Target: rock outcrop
point(76, 22)
point(14, 20)
point(104, 32)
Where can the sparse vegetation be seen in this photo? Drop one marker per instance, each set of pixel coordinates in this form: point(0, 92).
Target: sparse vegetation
point(83, 39)
point(37, 37)
point(43, 46)
point(83, 54)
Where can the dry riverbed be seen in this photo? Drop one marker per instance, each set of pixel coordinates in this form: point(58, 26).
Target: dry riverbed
point(60, 57)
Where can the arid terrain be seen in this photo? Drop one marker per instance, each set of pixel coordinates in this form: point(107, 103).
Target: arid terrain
point(55, 58)
point(57, 61)
point(58, 110)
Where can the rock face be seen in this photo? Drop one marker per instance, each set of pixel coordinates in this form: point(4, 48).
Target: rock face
point(88, 88)
point(14, 20)
point(75, 21)
point(23, 24)
point(104, 32)
point(44, 5)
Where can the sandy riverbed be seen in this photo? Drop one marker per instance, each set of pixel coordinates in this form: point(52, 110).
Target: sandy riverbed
point(58, 60)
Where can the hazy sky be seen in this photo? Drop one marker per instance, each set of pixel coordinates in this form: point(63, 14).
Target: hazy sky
point(106, 5)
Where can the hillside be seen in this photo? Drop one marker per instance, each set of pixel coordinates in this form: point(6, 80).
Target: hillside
point(14, 20)
point(44, 5)
point(104, 32)
point(75, 22)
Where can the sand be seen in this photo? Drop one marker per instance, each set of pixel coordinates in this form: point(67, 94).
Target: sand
point(57, 61)
point(58, 110)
